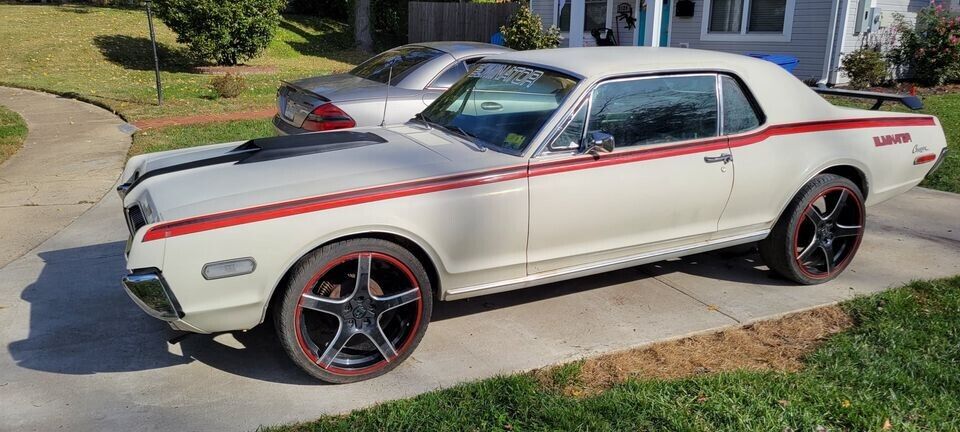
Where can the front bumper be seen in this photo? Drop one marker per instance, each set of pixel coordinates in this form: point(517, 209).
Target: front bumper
point(149, 290)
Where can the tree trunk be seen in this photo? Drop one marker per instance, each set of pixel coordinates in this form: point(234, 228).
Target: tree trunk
point(361, 25)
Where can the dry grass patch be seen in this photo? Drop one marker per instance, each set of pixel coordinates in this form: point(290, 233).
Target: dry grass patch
point(779, 344)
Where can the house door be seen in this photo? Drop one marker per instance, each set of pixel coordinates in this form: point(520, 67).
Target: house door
point(664, 25)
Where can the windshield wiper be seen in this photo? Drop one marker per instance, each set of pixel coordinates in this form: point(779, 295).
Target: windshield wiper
point(469, 137)
point(454, 130)
point(423, 119)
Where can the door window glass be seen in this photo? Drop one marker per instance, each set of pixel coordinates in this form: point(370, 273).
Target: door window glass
point(656, 110)
point(450, 76)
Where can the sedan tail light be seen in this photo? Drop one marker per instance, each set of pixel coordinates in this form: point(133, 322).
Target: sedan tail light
point(328, 117)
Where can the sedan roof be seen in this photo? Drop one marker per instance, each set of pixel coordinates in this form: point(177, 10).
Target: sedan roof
point(461, 49)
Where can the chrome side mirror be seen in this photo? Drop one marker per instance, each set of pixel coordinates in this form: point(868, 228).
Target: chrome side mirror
point(597, 142)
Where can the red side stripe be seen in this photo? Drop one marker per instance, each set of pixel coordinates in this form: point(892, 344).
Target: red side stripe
point(417, 187)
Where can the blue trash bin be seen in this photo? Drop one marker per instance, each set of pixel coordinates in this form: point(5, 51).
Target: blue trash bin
point(497, 39)
point(785, 61)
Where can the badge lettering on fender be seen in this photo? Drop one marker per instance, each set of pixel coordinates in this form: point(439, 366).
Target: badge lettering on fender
point(885, 140)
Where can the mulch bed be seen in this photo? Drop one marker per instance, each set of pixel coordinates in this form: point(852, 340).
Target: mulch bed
point(778, 345)
point(205, 118)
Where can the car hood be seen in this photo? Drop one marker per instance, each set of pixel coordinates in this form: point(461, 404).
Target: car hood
point(210, 179)
point(346, 87)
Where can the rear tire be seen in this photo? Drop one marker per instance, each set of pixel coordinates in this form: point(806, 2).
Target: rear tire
point(819, 233)
point(354, 310)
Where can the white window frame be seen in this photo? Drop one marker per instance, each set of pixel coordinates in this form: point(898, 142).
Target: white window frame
point(744, 35)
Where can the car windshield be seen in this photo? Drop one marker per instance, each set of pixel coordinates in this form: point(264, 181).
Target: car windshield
point(403, 60)
point(501, 106)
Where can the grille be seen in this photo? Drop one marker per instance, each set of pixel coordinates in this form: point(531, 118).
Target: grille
point(135, 219)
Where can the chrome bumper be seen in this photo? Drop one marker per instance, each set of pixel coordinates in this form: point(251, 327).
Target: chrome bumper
point(149, 290)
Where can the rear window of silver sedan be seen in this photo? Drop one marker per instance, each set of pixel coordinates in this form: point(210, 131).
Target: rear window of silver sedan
point(404, 61)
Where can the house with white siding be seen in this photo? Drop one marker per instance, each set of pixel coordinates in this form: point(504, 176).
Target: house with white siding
point(817, 32)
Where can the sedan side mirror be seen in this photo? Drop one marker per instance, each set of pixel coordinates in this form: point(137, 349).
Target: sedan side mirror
point(597, 142)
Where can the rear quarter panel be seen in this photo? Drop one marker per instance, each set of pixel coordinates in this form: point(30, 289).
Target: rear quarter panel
point(769, 172)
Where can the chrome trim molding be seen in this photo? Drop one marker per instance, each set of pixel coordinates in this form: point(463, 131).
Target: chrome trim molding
point(602, 266)
point(149, 291)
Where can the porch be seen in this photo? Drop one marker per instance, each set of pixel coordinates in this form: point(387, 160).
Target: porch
point(612, 22)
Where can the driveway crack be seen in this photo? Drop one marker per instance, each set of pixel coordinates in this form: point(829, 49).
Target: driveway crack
point(684, 292)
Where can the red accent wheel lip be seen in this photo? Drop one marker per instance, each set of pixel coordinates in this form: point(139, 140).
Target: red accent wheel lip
point(403, 346)
point(856, 245)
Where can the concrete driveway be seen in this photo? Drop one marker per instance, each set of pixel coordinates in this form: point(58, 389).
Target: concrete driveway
point(79, 355)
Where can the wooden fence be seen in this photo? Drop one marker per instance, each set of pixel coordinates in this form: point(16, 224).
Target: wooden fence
point(434, 21)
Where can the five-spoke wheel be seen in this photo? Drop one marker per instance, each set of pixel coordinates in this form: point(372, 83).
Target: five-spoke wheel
point(354, 310)
point(819, 232)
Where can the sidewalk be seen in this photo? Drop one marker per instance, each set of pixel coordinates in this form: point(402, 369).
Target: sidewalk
point(71, 157)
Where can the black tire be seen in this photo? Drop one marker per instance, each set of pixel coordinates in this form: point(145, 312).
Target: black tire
point(825, 219)
point(382, 324)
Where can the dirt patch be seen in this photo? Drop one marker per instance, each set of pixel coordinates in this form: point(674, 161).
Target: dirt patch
point(205, 118)
point(236, 70)
point(778, 344)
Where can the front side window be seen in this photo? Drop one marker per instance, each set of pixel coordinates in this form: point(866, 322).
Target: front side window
point(403, 61)
point(572, 134)
point(656, 110)
point(738, 113)
point(501, 106)
point(758, 19)
point(450, 76)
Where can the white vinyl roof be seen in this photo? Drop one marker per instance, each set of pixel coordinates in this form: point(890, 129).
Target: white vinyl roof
point(596, 61)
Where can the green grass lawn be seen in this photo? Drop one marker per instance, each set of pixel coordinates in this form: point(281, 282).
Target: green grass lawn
point(899, 364)
point(12, 133)
point(103, 54)
point(176, 137)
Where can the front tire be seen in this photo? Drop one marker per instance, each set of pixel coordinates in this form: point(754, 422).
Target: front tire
point(819, 233)
point(354, 310)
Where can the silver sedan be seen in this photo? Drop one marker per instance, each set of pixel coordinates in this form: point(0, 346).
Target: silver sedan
point(406, 79)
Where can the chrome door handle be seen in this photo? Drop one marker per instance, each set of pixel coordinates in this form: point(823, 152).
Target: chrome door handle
point(725, 158)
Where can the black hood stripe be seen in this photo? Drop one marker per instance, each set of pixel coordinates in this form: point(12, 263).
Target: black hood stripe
point(272, 148)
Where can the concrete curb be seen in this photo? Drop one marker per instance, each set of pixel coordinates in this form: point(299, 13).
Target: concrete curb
point(71, 157)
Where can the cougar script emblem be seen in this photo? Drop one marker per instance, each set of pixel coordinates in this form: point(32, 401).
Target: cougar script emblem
point(885, 140)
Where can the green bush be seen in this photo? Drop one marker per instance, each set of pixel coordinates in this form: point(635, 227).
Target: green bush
point(865, 67)
point(929, 48)
point(229, 85)
point(525, 31)
point(224, 32)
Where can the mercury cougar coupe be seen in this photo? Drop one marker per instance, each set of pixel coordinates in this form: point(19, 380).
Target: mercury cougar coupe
point(536, 167)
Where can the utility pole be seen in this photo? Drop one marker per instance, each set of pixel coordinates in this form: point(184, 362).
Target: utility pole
point(156, 60)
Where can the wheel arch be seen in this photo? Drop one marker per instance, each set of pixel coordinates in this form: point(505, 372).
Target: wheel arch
point(849, 169)
point(415, 245)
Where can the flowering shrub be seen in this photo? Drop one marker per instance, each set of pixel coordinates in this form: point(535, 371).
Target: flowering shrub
point(930, 49)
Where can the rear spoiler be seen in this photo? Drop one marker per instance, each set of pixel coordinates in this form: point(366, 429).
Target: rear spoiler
point(297, 88)
point(909, 101)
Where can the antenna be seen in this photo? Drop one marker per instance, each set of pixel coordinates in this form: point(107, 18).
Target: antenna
point(386, 97)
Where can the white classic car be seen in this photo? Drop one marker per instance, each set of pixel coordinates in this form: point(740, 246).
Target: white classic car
point(537, 166)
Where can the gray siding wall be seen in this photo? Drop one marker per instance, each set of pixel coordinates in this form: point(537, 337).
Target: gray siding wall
point(544, 8)
point(808, 42)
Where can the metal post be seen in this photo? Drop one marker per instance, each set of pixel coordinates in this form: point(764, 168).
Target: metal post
point(156, 60)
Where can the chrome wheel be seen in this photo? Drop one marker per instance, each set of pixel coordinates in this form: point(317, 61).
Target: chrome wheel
point(828, 232)
point(358, 313)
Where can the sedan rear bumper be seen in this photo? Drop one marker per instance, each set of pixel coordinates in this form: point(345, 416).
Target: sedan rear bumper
point(284, 128)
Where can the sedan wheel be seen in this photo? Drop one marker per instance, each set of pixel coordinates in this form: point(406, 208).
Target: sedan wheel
point(819, 233)
point(354, 310)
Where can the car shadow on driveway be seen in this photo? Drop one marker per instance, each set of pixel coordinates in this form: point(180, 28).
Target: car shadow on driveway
point(82, 322)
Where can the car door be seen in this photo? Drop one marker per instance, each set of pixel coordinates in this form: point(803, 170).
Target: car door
point(664, 186)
